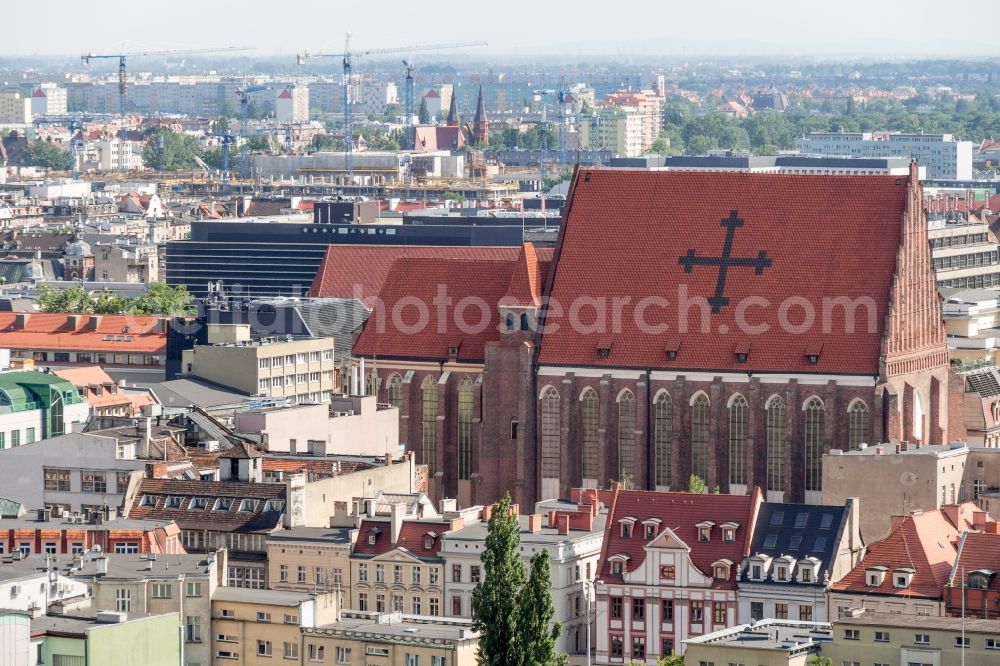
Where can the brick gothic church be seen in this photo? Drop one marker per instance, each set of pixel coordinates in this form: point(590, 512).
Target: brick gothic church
point(731, 325)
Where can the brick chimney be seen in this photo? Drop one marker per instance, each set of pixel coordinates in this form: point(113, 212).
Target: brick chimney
point(487, 512)
point(535, 522)
point(552, 517)
point(979, 520)
point(563, 523)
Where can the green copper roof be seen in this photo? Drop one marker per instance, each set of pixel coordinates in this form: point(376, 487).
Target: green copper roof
point(31, 389)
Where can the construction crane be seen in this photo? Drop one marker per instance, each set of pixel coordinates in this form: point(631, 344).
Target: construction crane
point(123, 73)
point(347, 57)
point(540, 96)
point(244, 95)
point(411, 130)
point(227, 141)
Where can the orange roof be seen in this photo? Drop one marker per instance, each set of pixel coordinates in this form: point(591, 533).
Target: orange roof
point(110, 333)
point(80, 377)
point(526, 282)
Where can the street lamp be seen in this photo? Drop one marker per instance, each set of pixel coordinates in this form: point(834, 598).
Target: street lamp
point(590, 614)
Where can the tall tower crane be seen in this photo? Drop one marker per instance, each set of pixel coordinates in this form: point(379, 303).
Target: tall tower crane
point(408, 106)
point(244, 95)
point(347, 57)
point(540, 96)
point(123, 73)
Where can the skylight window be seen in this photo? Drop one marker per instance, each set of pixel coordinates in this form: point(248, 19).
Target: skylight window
point(801, 519)
point(820, 544)
point(795, 542)
point(770, 541)
point(777, 518)
point(826, 521)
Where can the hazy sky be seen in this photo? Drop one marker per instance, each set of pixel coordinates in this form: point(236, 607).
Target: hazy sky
point(841, 28)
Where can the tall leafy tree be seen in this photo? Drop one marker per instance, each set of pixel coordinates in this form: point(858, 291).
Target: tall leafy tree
point(496, 600)
point(166, 150)
point(535, 625)
point(46, 155)
point(423, 114)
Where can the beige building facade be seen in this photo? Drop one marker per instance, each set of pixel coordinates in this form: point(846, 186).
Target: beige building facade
point(764, 643)
point(299, 370)
point(264, 627)
point(311, 559)
point(391, 639)
point(893, 480)
point(892, 639)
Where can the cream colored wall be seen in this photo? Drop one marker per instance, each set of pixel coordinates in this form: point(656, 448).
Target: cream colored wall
point(882, 604)
point(941, 650)
point(237, 366)
point(312, 556)
point(247, 630)
point(313, 504)
point(890, 485)
point(408, 590)
point(462, 653)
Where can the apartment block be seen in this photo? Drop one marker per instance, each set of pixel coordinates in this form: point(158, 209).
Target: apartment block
point(15, 109)
point(299, 370)
point(292, 105)
point(619, 130)
point(392, 639)
point(944, 156)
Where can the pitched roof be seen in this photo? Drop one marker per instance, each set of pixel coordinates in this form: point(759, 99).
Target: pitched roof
point(923, 541)
point(411, 537)
point(399, 329)
point(681, 513)
point(527, 280)
point(232, 519)
point(977, 551)
point(798, 531)
point(359, 271)
point(113, 333)
point(640, 234)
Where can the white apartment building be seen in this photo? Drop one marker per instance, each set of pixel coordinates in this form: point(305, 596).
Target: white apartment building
point(48, 99)
point(618, 130)
point(292, 105)
point(15, 109)
point(944, 156)
point(573, 551)
point(118, 155)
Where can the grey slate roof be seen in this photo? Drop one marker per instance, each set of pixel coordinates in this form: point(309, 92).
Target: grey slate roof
point(799, 531)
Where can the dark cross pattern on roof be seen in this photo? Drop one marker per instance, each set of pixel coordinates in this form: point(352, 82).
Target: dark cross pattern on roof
point(759, 263)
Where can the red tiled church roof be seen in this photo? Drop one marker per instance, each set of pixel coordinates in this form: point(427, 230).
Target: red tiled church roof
point(528, 279)
point(359, 271)
point(399, 329)
point(978, 551)
point(627, 233)
point(681, 513)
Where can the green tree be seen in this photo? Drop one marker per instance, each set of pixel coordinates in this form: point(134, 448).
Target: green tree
point(496, 600)
point(696, 484)
point(110, 304)
point(72, 300)
point(160, 299)
point(46, 155)
point(672, 660)
point(259, 143)
point(817, 660)
point(327, 142)
point(534, 624)
point(166, 150)
point(424, 114)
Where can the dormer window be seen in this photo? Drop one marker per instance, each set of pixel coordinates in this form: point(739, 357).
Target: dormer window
point(650, 531)
point(756, 572)
point(616, 567)
point(672, 347)
point(148, 500)
point(429, 539)
point(813, 352)
point(742, 352)
point(618, 563)
point(627, 524)
point(782, 573)
point(721, 569)
point(980, 579)
point(173, 502)
point(729, 532)
point(705, 531)
point(199, 502)
point(875, 575)
point(805, 575)
point(223, 504)
point(248, 505)
point(373, 535)
point(652, 526)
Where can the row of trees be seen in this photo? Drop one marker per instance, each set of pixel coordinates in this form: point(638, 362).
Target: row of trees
point(47, 155)
point(159, 299)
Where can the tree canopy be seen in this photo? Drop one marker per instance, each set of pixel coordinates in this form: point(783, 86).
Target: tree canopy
point(159, 299)
point(166, 150)
point(47, 155)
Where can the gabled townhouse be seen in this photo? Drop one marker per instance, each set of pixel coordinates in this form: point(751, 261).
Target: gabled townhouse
point(796, 553)
point(668, 570)
point(396, 564)
point(906, 572)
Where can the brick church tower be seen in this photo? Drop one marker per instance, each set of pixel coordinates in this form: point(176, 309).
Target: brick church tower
point(480, 123)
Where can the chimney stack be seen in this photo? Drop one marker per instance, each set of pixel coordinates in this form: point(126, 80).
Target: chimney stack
point(563, 523)
point(535, 522)
point(396, 512)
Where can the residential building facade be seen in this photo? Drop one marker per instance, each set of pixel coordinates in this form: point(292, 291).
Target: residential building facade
point(944, 156)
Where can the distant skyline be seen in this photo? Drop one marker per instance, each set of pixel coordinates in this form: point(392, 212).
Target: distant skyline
point(844, 29)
